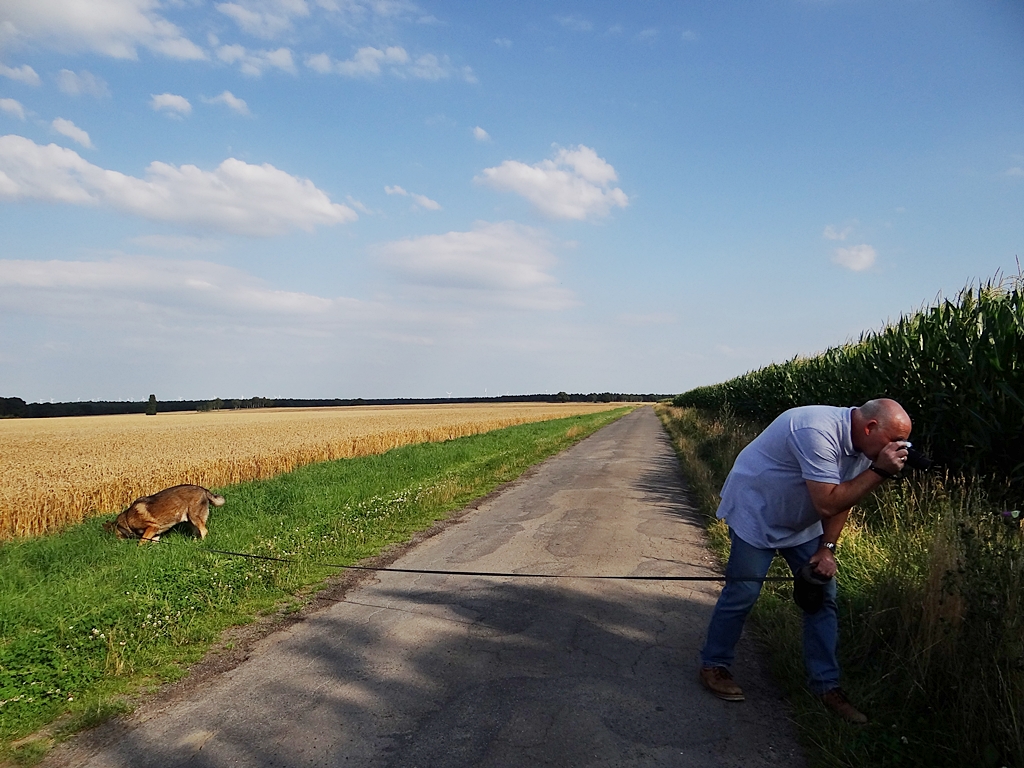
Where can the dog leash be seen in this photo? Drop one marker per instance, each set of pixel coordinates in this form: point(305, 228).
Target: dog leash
point(488, 574)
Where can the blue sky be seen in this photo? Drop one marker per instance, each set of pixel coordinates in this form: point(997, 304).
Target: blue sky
point(387, 198)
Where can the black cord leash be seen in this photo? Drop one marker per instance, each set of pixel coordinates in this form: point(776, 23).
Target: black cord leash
point(490, 574)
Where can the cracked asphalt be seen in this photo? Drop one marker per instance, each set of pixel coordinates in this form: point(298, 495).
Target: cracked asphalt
point(434, 670)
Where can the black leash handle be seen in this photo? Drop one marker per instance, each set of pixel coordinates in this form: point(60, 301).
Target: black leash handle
point(492, 574)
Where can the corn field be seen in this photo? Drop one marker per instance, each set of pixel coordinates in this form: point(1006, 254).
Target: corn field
point(60, 471)
point(957, 367)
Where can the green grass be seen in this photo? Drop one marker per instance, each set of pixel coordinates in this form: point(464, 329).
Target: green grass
point(931, 600)
point(86, 619)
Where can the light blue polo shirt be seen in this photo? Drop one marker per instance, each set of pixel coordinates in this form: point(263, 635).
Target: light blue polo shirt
point(765, 499)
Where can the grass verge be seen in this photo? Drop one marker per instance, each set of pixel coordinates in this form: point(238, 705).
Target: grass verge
point(931, 600)
point(86, 619)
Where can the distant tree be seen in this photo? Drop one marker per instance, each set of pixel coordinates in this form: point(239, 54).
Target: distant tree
point(562, 397)
point(151, 406)
point(11, 406)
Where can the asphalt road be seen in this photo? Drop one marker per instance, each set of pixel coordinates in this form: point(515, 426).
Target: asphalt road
point(456, 671)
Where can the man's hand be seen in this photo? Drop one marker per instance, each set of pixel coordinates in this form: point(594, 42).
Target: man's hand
point(824, 563)
point(892, 457)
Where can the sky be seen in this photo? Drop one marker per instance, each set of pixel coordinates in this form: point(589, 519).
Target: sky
point(389, 198)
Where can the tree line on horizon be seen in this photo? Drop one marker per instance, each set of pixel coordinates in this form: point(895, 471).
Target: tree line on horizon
point(16, 407)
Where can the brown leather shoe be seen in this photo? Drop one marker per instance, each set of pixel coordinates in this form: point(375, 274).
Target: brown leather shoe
point(836, 701)
point(719, 681)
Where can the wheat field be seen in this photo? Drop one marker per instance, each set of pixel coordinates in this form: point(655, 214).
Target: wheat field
point(60, 471)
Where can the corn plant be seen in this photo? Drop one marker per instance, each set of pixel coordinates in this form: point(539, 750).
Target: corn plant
point(957, 367)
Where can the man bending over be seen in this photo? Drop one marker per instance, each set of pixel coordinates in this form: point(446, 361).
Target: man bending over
point(790, 491)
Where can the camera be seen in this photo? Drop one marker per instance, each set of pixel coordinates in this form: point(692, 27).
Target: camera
point(917, 460)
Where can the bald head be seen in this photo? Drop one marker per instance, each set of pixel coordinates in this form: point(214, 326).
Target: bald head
point(885, 411)
point(878, 423)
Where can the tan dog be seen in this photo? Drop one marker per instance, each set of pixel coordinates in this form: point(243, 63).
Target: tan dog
point(150, 516)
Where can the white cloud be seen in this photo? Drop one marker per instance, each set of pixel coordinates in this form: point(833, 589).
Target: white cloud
point(320, 62)
point(356, 13)
point(232, 102)
point(368, 62)
point(256, 200)
point(24, 73)
point(137, 283)
point(125, 326)
point(255, 62)
point(689, 35)
point(357, 205)
point(171, 104)
point(421, 200)
point(122, 326)
point(647, 318)
point(504, 263)
point(429, 67)
point(831, 233)
point(1016, 171)
point(577, 184)
point(575, 23)
point(264, 18)
point(178, 243)
point(113, 28)
point(648, 35)
point(72, 131)
point(12, 107)
point(856, 257)
point(425, 202)
point(480, 134)
point(503, 42)
point(84, 82)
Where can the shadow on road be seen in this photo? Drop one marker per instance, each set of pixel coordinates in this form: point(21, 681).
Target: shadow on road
point(507, 674)
point(436, 670)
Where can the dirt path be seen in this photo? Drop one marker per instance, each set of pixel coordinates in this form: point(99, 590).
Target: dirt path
point(435, 670)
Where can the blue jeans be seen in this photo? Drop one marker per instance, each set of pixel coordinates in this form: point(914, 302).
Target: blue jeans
point(821, 629)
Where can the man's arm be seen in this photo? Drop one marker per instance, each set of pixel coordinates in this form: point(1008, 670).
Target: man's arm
point(831, 499)
point(823, 560)
point(834, 502)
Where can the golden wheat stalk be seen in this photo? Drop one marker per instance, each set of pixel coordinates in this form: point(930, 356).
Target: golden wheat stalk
point(60, 471)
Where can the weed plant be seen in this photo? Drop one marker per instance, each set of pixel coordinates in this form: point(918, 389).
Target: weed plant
point(86, 618)
point(931, 614)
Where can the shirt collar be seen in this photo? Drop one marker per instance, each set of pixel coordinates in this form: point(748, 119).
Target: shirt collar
point(846, 436)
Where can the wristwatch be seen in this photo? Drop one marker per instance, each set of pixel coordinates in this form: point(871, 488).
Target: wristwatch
point(882, 472)
point(830, 546)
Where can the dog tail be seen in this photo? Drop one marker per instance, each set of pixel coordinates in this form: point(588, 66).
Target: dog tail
point(109, 525)
point(217, 501)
